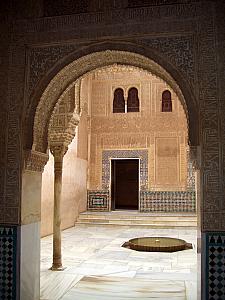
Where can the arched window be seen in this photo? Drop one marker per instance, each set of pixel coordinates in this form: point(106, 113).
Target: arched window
point(132, 100)
point(118, 101)
point(166, 101)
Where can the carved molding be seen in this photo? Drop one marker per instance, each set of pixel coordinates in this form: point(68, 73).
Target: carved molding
point(35, 161)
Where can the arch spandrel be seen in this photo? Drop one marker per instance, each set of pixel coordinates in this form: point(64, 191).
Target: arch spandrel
point(77, 68)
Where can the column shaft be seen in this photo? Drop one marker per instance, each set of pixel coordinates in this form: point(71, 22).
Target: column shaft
point(58, 153)
point(57, 256)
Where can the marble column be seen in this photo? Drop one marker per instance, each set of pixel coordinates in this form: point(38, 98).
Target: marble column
point(58, 152)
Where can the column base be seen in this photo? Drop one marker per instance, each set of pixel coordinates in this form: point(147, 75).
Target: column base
point(57, 268)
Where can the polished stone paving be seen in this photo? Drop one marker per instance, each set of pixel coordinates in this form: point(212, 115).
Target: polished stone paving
point(97, 267)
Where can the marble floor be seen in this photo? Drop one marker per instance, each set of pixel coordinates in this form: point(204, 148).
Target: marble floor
point(98, 268)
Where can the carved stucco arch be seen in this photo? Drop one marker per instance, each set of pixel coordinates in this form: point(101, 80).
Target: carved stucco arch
point(76, 69)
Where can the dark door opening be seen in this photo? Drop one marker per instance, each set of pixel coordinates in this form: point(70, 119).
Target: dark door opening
point(125, 183)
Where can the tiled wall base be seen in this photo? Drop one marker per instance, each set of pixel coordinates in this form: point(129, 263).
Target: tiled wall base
point(149, 201)
point(215, 266)
point(178, 201)
point(8, 262)
point(98, 200)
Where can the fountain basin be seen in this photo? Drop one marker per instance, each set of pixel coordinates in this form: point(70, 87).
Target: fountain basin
point(158, 244)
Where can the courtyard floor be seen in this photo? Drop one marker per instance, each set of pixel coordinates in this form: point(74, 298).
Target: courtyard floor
point(98, 268)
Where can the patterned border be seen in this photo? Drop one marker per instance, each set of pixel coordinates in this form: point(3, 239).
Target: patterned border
point(215, 266)
point(8, 262)
point(109, 154)
point(98, 200)
point(167, 201)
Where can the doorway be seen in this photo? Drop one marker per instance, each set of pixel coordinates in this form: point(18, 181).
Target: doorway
point(125, 183)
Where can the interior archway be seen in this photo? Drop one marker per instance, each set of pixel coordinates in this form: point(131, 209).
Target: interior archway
point(69, 74)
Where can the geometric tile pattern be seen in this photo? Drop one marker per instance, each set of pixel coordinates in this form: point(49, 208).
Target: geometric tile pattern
point(8, 243)
point(215, 266)
point(167, 201)
point(98, 200)
point(107, 155)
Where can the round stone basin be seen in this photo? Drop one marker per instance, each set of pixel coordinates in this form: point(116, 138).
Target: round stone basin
point(157, 244)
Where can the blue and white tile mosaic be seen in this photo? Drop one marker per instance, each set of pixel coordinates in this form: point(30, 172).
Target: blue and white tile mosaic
point(215, 266)
point(8, 265)
point(107, 155)
point(98, 200)
point(167, 201)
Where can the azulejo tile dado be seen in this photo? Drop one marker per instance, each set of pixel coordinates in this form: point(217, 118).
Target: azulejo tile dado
point(150, 201)
point(215, 265)
point(167, 201)
point(8, 265)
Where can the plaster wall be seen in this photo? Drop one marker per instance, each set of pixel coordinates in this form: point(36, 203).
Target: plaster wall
point(74, 190)
point(163, 134)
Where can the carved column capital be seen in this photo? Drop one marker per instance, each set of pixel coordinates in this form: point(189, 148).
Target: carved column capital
point(34, 160)
point(194, 155)
point(58, 150)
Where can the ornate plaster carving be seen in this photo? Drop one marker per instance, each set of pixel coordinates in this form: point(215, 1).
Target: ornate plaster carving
point(62, 127)
point(35, 161)
point(61, 83)
point(179, 50)
point(43, 58)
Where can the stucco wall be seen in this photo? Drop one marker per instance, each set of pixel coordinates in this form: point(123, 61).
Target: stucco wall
point(163, 134)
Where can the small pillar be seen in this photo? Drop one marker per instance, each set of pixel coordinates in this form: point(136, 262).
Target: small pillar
point(58, 152)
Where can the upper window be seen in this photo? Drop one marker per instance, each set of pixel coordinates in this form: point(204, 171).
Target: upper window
point(118, 101)
point(166, 101)
point(132, 100)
